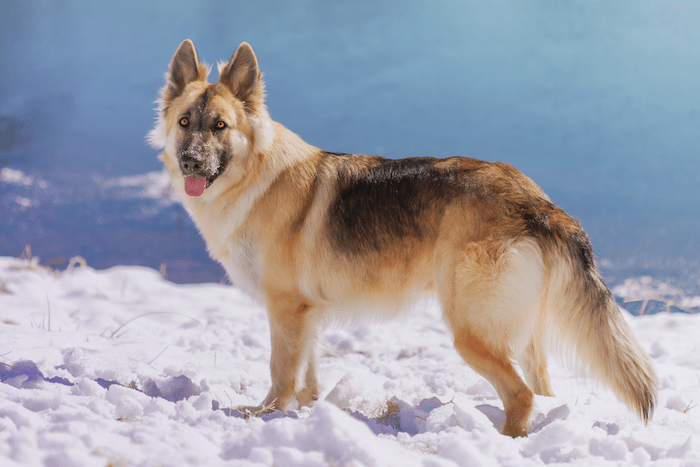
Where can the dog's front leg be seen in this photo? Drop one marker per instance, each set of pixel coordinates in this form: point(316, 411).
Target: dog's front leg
point(309, 394)
point(293, 333)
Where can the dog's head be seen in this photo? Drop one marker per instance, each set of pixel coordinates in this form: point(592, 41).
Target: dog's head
point(210, 130)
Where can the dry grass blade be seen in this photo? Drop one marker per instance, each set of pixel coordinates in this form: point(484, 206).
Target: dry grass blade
point(76, 261)
point(645, 301)
point(150, 314)
point(249, 412)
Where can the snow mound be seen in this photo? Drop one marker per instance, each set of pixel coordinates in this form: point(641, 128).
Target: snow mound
point(121, 367)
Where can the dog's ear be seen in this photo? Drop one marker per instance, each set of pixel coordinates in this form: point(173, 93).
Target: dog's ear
point(184, 68)
point(243, 77)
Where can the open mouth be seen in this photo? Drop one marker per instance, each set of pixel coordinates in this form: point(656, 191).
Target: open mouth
point(195, 184)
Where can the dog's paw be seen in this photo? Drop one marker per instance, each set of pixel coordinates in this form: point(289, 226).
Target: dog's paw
point(307, 397)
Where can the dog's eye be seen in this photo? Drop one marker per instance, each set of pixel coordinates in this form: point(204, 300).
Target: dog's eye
point(184, 121)
point(220, 125)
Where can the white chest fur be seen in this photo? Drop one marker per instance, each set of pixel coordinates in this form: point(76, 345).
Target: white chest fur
point(243, 266)
point(220, 225)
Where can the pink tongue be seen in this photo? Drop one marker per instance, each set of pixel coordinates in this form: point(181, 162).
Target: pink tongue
point(194, 186)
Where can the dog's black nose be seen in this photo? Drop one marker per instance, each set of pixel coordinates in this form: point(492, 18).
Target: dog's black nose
point(188, 165)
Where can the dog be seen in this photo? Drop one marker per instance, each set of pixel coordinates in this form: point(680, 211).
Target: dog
point(319, 236)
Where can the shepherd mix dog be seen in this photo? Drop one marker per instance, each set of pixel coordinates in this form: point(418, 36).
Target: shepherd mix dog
point(321, 236)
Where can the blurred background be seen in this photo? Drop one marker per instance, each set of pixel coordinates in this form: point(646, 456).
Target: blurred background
point(597, 101)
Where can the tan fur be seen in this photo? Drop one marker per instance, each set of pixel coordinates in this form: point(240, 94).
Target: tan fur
point(322, 236)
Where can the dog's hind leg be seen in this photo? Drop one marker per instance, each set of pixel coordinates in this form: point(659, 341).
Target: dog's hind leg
point(490, 296)
point(534, 365)
point(533, 359)
point(498, 370)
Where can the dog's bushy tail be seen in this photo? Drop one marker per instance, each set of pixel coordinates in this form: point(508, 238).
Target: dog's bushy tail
point(588, 325)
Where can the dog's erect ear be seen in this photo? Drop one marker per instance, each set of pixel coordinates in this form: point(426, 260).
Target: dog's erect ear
point(184, 68)
point(242, 76)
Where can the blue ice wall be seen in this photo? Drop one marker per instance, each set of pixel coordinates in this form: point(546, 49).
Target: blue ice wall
point(597, 101)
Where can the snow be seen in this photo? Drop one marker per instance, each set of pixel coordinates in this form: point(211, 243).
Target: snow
point(151, 185)
point(122, 367)
point(15, 177)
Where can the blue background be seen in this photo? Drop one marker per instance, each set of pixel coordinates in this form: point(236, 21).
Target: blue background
point(596, 101)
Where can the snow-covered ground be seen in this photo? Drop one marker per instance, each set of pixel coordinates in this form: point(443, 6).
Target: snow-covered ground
point(121, 367)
